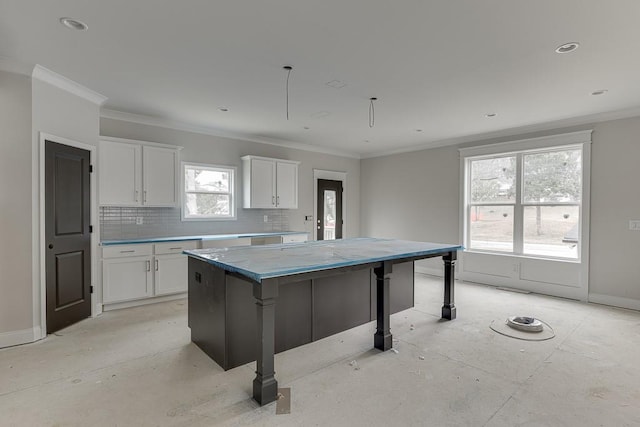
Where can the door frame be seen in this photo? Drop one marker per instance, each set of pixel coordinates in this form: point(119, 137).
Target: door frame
point(335, 176)
point(39, 267)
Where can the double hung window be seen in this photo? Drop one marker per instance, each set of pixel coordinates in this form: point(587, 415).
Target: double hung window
point(526, 202)
point(208, 192)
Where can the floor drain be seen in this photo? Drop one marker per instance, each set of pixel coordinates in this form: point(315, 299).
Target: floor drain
point(526, 324)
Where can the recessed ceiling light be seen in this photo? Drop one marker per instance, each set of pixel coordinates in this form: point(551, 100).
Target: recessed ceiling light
point(366, 141)
point(306, 128)
point(73, 24)
point(567, 47)
point(418, 130)
point(490, 115)
point(223, 109)
point(599, 92)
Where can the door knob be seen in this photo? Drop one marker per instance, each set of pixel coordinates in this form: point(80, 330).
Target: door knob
point(50, 246)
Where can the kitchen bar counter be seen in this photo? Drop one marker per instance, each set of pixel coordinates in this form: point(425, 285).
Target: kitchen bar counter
point(299, 293)
point(205, 237)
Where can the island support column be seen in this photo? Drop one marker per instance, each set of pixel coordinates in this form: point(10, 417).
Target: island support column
point(382, 339)
point(265, 386)
point(449, 307)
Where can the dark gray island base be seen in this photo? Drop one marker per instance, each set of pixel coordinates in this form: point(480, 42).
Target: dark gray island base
point(238, 315)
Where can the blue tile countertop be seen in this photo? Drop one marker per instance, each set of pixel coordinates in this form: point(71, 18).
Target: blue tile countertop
point(200, 237)
point(263, 262)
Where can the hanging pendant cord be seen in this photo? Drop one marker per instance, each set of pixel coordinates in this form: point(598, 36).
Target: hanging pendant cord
point(288, 68)
point(372, 112)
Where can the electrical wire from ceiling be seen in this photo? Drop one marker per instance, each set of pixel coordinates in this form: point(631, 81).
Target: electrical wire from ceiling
point(288, 68)
point(372, 112)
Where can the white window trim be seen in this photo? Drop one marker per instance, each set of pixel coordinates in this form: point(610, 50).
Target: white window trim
point(581, 139)
point(234, 192)
point(509, 267)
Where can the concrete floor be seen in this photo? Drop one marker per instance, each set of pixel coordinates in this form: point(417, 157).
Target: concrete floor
point(137, 367)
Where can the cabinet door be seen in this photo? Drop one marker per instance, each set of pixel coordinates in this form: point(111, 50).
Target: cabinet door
point(160, 168)
point(171, 274)
point(287, 185)
point(120, 174)
point(263, 184)
point(126, 279)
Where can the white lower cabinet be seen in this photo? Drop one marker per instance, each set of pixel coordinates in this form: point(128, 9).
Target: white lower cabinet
point(135, 272)
point(125, 279)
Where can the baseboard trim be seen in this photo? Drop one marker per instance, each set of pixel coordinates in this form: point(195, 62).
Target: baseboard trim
point(25, 336)
point(136, 303)
point(632, 304)
point(429, 271)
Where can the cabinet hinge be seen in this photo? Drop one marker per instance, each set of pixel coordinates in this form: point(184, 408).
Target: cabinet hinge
point(90, 168)
point(91, 229)
point(91, 289)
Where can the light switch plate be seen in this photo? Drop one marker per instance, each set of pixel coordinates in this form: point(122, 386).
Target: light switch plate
point(139, 220)
point(634, 225)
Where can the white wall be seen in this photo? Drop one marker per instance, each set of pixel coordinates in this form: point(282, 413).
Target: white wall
point(412, 196)
point(416, 196)
point(615, 199)
point(217, 150)
point(15, 208)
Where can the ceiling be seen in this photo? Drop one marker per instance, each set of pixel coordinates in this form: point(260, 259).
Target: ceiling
point(437, 67)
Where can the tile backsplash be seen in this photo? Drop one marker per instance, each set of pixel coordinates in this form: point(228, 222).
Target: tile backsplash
point(120, 223)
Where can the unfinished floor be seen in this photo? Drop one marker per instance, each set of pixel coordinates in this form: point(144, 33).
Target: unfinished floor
point(137, 367)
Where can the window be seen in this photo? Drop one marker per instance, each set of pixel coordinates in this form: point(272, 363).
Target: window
point(209, 192)
point(525, 202)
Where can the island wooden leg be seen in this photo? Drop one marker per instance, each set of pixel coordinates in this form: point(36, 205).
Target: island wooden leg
point(449, 307)
point(382, 339)
point(265, 386)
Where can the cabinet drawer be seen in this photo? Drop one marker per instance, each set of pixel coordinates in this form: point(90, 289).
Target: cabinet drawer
point(176, 247)
point(119, 251)
point(271, 240)
point(291, 238)
point(226, 243)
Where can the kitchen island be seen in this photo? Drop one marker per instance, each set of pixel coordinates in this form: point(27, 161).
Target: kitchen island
point(249, 303)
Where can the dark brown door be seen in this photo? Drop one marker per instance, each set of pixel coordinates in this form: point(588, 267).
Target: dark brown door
point(67, 216)
point(329, 219)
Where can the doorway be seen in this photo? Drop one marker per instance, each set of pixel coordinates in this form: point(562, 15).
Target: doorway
point(67, 237)
point(329, 220)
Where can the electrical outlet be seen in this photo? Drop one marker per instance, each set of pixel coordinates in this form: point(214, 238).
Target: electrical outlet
point(139, 220)
point(634, 225)
point(266, 218)
point(308, 217)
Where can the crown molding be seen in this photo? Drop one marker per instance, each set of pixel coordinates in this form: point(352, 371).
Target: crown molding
point(61, 82)
point(177, 125)
point(11, 65)
point(514, 132)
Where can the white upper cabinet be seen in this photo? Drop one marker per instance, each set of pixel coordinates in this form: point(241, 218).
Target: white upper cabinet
point(287, 185)
point(120, 169)
point(133, 173)
point(269, 183)
point(160, 176)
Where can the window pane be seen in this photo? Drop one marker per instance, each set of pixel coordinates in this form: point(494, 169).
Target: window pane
point(206, 180)
point(207, 205)
point(553, 177)
point(493, 180)
point(551, 231)
point(491, 228)
point(329, 214)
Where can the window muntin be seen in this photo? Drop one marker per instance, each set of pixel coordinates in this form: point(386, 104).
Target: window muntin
point(208, 192)
point(525, 203)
